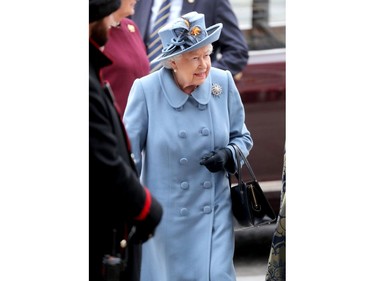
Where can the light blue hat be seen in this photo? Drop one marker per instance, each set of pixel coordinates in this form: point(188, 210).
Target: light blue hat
point(186, 34)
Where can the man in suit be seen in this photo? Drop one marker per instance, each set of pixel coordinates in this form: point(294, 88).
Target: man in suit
point(231, 46)
point(122, 213)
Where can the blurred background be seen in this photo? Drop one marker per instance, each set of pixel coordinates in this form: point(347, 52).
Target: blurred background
point(262, 83)
point(262, 89)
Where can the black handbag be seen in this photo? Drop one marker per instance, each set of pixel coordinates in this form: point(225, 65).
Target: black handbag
point(249, 204)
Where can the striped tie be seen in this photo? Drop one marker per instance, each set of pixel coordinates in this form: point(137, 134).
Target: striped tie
point(154, 45)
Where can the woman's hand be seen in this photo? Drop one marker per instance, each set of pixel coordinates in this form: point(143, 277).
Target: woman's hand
point(217, 160)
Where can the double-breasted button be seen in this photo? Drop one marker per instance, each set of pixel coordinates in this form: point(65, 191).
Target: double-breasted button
point(205, 131)
point(183, 161)
point(184, 212)
point(207, 209)
point(207, 184)
point(182, 134)
point(202, 106)
point(184, 185)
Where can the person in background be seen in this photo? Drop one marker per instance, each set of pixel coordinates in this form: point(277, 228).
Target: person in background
point(128, 53)
point(276, 266)
point(230, 50)
point(122, 213)
point(181, 121)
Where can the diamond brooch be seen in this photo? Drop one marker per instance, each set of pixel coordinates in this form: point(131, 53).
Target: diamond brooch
point(216, 90)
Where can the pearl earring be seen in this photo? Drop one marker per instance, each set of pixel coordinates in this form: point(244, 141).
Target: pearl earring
point(174, 70)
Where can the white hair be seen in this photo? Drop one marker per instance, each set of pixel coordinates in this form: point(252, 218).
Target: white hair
point(168, 62)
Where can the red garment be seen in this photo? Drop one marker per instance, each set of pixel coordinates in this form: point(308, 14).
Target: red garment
point(128, 53)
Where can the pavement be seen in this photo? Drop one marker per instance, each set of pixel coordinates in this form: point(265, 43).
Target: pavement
point(251, 278)
point(251, 252)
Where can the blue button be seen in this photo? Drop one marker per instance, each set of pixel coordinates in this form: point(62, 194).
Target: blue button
point(207, 209)
point(183, 161)
point(182, 134)
point(205, 132)
point(184, 212)
point(185, 185)
point(207, 184)
point(202, 106)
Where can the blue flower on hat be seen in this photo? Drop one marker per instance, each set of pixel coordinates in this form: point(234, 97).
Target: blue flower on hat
point(185, 36)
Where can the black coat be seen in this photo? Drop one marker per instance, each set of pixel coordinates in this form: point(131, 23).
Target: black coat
point(115, 193)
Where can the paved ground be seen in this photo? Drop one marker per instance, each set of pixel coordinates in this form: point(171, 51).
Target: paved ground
point(251, 278)
point(252, 251)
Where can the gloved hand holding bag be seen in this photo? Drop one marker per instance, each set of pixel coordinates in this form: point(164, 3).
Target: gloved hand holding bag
point(218, 160)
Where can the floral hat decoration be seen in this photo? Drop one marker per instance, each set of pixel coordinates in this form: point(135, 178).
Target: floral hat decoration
point(186, 34)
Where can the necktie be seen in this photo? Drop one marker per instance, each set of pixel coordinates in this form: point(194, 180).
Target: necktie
point(154, 45)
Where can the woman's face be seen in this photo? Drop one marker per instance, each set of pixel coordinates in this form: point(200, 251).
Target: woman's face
point(191, 69)
point(126, 9)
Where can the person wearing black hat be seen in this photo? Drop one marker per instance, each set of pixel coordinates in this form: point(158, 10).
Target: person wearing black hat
point(122, 213)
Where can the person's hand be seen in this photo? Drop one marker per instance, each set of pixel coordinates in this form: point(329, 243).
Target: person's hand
point(145, 229)
point(217, 160)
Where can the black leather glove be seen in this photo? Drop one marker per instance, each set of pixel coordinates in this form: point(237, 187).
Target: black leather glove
point(218, 160)
point(145, 228)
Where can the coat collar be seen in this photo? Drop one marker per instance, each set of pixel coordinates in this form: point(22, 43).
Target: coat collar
point(97, 58)
point(176, 97)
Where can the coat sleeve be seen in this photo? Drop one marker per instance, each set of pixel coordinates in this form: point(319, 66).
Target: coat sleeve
point(232, 44)
point(239, 134)
point(136, 120)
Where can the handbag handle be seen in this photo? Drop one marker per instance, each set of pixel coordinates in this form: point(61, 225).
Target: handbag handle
point(239, 175)
point(238, 155)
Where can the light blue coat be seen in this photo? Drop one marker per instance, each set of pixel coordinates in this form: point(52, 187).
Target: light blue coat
point(170, 131)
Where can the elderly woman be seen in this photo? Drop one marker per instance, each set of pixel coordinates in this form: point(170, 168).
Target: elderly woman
point(181, 121)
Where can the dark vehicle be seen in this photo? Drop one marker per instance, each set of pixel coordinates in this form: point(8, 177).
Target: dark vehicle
point(262, 89)
point(263, 92)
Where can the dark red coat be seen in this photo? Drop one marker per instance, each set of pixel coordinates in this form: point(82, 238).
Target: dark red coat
point(126, 49)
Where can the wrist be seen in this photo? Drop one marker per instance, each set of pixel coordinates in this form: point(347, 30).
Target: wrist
point(146, 206)
point(229, 164)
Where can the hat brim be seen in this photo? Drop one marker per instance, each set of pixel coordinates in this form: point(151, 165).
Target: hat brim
point(213, 34)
